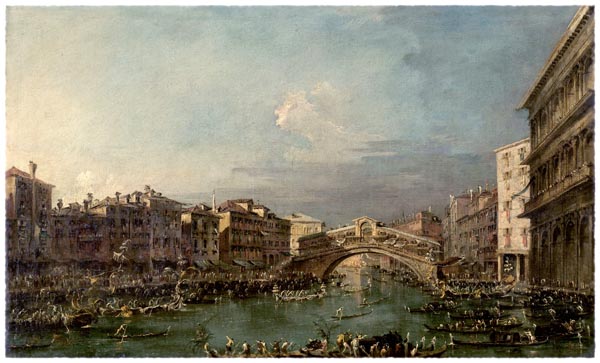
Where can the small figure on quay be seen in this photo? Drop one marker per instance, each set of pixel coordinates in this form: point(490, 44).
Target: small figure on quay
point(355, 345)
point(324, 344)
point(276, 347)
point(246, 349)
point(229, 345)
point(210, 353)
point(261, 347)
point(347, 347)
point(284, 347)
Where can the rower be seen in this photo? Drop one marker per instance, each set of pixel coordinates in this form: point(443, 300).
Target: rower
point(340, 312)
point(121, 330)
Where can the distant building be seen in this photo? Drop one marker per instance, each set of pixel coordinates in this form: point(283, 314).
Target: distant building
point(561, 119)
point(513, 190)
point(28, 204)
point(473, 232)
point(423, 223)
point(309, 243)
point(302, 225)
point(200, 236)
point(454, 211)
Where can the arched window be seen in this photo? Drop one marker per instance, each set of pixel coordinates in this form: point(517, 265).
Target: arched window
point(588, 148)
point(534, 257)
point(546, 256)
point(588, 73)
point(586, 253)
point(571, 162)
point(570, 253)
point(366, 229)
point(557, 255)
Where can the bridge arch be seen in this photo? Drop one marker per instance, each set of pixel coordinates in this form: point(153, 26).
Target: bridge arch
point(322, 264)
point(334, 264)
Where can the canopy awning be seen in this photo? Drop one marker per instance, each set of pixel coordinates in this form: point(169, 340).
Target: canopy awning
point(243, 263)
point(449, 261)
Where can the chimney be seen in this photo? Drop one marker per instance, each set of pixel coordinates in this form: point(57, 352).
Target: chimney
point(32, 168)
point(479, 188)
point(471, 193)
point(214, 203)
point(85, 205)
point(128, 198)
point(117, 194)
point(487, 186)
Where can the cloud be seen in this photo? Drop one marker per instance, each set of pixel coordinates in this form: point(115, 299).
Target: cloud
point(90, 182)
point(318, 119)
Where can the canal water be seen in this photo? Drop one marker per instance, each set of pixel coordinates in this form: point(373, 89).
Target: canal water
point(262, 318)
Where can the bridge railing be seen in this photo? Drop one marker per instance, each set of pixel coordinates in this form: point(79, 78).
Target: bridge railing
point(407, 250)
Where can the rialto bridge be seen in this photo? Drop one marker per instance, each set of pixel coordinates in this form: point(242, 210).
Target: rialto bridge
point(367, 235)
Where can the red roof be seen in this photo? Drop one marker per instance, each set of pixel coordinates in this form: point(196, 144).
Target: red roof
point(16, 172)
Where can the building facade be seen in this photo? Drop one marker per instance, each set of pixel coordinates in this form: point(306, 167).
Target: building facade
point(149, 224)
point(28, 204)
point(476, 230)
point(251, 236)
point(423, 223)
point(302, 225)
point(454, 211)
point(514, 241)
point(561, 119)
point(200, 236)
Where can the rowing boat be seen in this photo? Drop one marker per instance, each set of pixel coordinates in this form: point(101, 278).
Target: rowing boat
point(352, 316)
point(502, 340)
point(163, 333)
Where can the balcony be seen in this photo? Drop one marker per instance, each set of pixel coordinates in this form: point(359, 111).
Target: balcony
point(577, 177)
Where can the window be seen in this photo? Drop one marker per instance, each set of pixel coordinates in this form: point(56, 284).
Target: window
point(522, 154)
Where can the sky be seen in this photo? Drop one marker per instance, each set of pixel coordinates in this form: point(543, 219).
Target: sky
point(336, 112)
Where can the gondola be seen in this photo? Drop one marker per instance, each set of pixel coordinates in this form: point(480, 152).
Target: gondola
point(368, 303)
point(351, 316)
point(432, 353)
point(480, 315)
point(80, 320)
point(432, 307)
point(145, 335)
point(29, 346)
point(503, 340)
point(472, 330)
point(355, 289)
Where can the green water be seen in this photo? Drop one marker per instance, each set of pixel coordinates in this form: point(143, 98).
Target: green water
point(261, 318)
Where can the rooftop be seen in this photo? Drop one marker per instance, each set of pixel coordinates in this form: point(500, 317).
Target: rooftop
point(17, 172)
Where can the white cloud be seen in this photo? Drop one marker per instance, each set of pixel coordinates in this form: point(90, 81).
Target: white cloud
point(319, 117)
point(100, 185)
